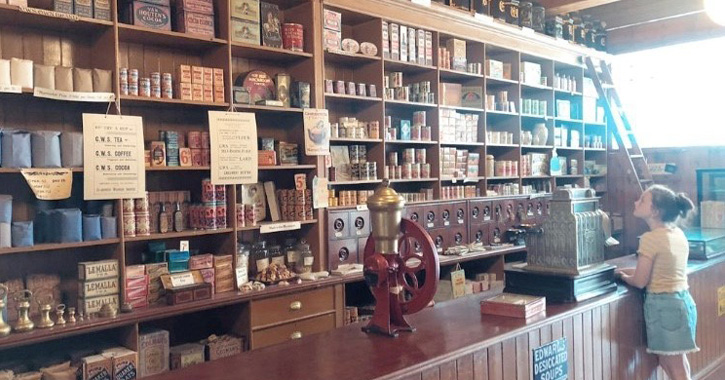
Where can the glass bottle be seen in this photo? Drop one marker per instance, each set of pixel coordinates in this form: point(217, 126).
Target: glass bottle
point(306, 258)
point(568, 28)
point(526, 16)
point(163, 219)
point(538, 17)
point(243, 252)
point(260, 257)
point(178, 218)
point(290, 251)
point(275, 255)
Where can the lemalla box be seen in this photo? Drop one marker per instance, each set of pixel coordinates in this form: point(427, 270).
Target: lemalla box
point(514, 305)
point(87, 289)
point(96, 270)
point(94, 305)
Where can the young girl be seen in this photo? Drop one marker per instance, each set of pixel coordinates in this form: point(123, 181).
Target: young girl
point(669, 311)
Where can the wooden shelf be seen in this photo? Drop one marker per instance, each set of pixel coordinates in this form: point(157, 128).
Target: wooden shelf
point(18, 171)
point(501, 178)
point(567, 120)
point(355, 141)
point(414, 180)
point(503, 145)
point(269, 109)
point(595, 175)
point(537, 147)
point(177, 168)
point(58, 246)
point(463, 179)
point(593, 124)
point(266, 53)
point(361, 182)
point(178, 235)
point(455, 143)
point(403, 103)
point(463, 109)
point(28, 17)
point(500, 81)
point(260, 224)
point(288, 167)
point(411, 142)
point(567, 148)
point(458, 75)
point(529, 86)
point(142, 35)
point(447, 260)
point(329, 96)
point(501, 113)
point(130, 100)
point(407, 67)
point(341, 57)
point(565, 92)
point(568, 176)
point(536, 177)
point(536, 117)
point(595, 149)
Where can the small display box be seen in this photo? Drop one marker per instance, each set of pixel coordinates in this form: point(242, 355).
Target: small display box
point(705, 243)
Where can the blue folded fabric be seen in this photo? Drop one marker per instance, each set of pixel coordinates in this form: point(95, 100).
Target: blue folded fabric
point(22, 234)
point(6, 208)
point(67, 225)
point(42, 227)
point(91, 227)
point(46, 149)
point(16, 152)
point(109, 229)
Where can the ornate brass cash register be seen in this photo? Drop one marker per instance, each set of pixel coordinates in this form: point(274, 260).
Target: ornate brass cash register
point(565, 254)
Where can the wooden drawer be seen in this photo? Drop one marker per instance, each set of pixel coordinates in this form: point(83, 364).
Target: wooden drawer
point(292, 330)
point(292, 307)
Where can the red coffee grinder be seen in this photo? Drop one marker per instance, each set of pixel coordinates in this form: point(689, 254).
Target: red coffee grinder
point(401, 265)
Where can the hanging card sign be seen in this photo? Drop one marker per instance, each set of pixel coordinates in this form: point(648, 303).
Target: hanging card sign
point(113, 157)
point(233, 138)
point(317, 132)
point(49, 184)
point(458, 282)
point(320, 195)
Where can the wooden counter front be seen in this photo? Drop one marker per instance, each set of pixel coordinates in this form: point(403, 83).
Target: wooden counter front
point(605, 339)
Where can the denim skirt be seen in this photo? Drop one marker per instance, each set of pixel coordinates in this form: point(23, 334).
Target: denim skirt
point(671, 320)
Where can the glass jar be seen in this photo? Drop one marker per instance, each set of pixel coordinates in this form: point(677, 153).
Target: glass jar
point(582, 30)
point(568, 28)
point(538, 17)
point(512, 12)
point(526, 17)
point(275, 255)
point(591, 34)
point(260, 257)
point(555, 27)
point(600, 36)
point(243, 252)
point(498, 9)
point(306, 259)
point(290, 252)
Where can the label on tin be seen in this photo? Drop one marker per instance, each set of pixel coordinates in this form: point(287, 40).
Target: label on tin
point(233, 138)
point(113, 147)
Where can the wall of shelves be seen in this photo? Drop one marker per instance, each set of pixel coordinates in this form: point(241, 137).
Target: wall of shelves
point(56, 39)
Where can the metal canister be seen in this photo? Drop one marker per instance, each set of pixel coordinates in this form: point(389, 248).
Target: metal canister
point(374, 130)
point(205, 157)
point(407, 170)
point(351, 88)
point(393, 158)
point(409, 155)
point(133, 77)
point(425, 171)
point(420, 156)
point(526, 17)
point(415, 171)
point(145, 87)
point(155, 79)
point(416, 133)
point(221, 215)
point(498, 9)
point(143, 224)
point(372, 168)
point(194, 138)
point(426, 133)
point(209, 216)
point(239, 215)
point(555, 27)
point(538, 18)
point(340, 87)
point(129, 205)
point(124, 88)
point(399, 172)
point(155, 91)
point(220, 191)
point(372, 91)
point(361, 89)
point(250, 214)
point(208, 192)
point(354, 154)
point(133, 89)
point(205, 140)
point(129, 224)
point(141, 204)
point(123, 75)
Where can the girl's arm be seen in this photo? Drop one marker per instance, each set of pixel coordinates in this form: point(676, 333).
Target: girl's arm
point(642, 273)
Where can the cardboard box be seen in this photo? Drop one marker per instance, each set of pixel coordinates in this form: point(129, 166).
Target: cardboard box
point(63, 6)
point(208, 75)
point(205, 7)
point(429, 48)
point(94, 305)
point(403, 43)
point(208, 93)
point(201, 261)
point(197, 92)
point(246, 10)
point(197, 24)
point(186, 355)
point(83, 8)
point(222, 260)
point(148, 15)
point(124, 362)
point(472, 96)
point(532, 73)
point(185, 91)
point(451, 94)
point(153, 352)
point(96, 270)
point(97, 288)
point(394, 41)
point(222, 347)
point(386, 40)
point(494, 68)
point(331, 40)
point(332, 20)
point(102, 10)
point(246, 31)
point(219, 95)
point(184, 74)
point(97, 367)
point(134, 271)
point(456, 47)
point(218, 78)
point(197, 74)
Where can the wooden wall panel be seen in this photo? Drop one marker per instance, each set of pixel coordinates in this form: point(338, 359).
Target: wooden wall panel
point(509, 359)
point(480, 365)
point(464, 367)
point(495, 362)
point(448, 371)
point(431, 374)
point(522, 358)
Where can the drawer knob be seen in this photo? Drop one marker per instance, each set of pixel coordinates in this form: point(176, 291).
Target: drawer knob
point(296, 335)
point(297, 305)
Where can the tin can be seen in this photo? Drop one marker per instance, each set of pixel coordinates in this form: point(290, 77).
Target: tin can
point(143, 224)
point(328, 86)
point(361, 89)
point(407, 170)
point(396, 79)
point(124, 88)
point(195, 216)
point(155, 78)
point(145, 87)
point(250, 214)
point(141, 204)
point(220, 192)
point(408, 155)
point(221, 215)
point(399, 172)
point(133, 89)
point(415, 171)
point(355, 171)
point(293, 36)
point(166, 80)
point(129, 224)
point(209, 216)
point(208, 191)
point(425, 133)
point(133, 77)
point(425, 171)
point(416, 133)
point(156, 92)
point(196, 157)
point(205, 157)
point(205, 140)
point(123, 75)
point(386, 172)
point(340, 87)
point(402, 93)
point(372, 91)
point(239, 215)
point(393, 158)
point(420, 156)
point(129, 205)
point(374, 130)
point(351, 90)
point(194, 138)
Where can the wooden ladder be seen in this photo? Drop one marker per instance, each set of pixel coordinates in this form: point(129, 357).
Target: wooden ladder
point(627, 146)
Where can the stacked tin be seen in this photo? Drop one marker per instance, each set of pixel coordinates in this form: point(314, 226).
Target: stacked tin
point(460, 192)
point(295, 205)
point(136, 217)
point(420, 92)
point(504, 189)
point(211, 214)
point(423, 195)
point(171, 138)
point(349, 197)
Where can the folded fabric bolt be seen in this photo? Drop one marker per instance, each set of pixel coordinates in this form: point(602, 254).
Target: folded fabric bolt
point(6, 208)
point(108, 227)
point(16, 152)
point(5, 73)
point(91, 227)
point(5, 235)
point(46, 149)
point(22, 234)
point(21, 72)
point(67, 225)
point(44, 76)
point(64, 78)
point(71, 149)
point(42, 226)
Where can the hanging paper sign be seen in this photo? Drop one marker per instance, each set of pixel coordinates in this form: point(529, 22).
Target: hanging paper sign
point(320, 196)
point(317, 132)
point(113, 157)
point(233, 138)
point(101, 97)
point(458, 282)
point(49, 184)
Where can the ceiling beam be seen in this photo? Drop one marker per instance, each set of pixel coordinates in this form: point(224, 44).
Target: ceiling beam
point(633, 12)
point(557, 7)
point(688, 28)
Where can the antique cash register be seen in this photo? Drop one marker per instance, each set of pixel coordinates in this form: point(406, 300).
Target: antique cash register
point(565, 254)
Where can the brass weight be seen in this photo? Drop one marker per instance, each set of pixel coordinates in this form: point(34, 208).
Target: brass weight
point(24, 323)
point(4, 327)
point(44, 299)
point(59, 312)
